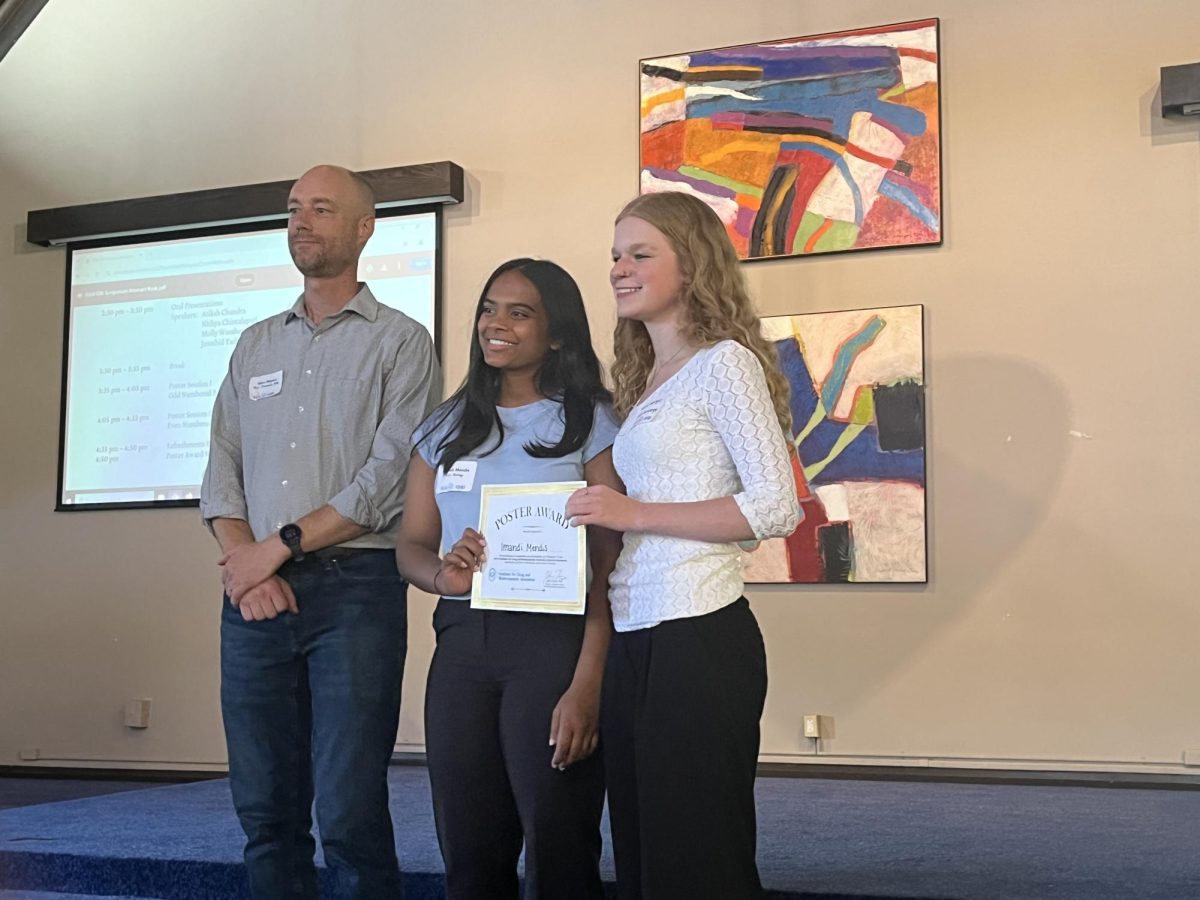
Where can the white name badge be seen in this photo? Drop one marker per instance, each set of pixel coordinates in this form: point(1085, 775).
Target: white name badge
point(645, 413)
point(461, 477)
point(263, 386)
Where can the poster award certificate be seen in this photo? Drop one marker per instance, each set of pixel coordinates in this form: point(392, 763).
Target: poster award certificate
point(536, 561)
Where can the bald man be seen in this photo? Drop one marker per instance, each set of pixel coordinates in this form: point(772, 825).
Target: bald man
point(311, 435)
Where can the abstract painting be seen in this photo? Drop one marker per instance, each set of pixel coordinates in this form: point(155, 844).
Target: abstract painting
point(807, 145)
point(858, 421)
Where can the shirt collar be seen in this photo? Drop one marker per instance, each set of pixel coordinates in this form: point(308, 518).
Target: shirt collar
point(363, 303)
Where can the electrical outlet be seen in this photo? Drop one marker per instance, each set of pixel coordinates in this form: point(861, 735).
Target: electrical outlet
point(30, 753)
point(1191, 757)
point(137, 713)
point(817, 727)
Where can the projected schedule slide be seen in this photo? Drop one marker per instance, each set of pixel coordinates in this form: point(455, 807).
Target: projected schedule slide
point(142, 391)
point(152, 328)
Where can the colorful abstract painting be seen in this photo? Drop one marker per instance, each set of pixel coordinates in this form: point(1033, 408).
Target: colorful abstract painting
point(807, 145)
point(858, 412)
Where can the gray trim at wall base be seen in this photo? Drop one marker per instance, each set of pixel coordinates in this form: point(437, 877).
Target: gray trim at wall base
point(943, 775)
point(78, 773)
point(765, 770)
point(418, 185)
point(408, 758)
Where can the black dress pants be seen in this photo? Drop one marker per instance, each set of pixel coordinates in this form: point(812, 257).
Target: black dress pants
point(493, 685)
point(680, 713)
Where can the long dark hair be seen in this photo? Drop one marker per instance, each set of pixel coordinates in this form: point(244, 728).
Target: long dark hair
point(570, 374)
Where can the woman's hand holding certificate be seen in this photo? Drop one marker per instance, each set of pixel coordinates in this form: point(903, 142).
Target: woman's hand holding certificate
point(459, 565)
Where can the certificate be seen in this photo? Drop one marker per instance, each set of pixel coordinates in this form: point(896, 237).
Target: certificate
point(536, 560)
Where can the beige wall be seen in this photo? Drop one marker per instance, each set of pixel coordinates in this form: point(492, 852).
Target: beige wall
point(1059, 625)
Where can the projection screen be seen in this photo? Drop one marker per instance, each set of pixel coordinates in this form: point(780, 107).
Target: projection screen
point(149, 330)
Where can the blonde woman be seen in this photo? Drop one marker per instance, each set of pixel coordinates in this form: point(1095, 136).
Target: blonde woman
point(705, 460)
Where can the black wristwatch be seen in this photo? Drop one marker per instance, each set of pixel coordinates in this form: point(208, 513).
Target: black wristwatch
point(290, 534)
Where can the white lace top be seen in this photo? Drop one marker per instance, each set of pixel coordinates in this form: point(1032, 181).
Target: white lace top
point(709, 431)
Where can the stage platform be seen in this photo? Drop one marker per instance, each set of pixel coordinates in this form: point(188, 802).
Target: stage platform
point(819, 838)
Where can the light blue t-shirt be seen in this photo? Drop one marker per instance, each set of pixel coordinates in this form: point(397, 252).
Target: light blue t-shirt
point(540, 422)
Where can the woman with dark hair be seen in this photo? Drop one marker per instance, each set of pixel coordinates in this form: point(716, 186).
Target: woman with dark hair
point(512, 700)
point(705, 454)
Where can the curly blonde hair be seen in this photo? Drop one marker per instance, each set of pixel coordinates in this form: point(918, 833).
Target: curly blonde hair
point(718, 306)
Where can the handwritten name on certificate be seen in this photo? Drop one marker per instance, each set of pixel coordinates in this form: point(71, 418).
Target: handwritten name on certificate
point(536, 561)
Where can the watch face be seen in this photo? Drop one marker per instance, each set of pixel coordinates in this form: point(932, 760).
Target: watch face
point(290, 534)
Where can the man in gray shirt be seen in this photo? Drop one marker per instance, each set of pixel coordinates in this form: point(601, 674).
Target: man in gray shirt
point(311, 435)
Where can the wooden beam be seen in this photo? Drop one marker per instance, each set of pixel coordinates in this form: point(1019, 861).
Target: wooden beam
point(419, 185)
point(15, 17)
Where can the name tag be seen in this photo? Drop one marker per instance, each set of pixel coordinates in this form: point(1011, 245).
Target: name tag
point(461, 477)
point(646, 413)
point(263, 386)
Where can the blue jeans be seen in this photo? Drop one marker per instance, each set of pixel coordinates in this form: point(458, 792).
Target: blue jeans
point(313, 700)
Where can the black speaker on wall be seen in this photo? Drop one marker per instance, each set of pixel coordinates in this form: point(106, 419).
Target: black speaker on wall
point(1181, 91)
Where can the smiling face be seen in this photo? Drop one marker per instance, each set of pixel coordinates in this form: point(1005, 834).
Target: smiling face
point(646, 279)
point(329, 222)
point(513, 329)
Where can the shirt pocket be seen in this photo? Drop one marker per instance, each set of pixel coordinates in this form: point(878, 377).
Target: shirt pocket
point(347, 411)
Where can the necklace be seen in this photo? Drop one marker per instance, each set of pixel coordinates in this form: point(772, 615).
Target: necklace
point(659, 366)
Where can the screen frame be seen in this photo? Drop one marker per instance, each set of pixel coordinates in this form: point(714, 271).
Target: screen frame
point(390, 212)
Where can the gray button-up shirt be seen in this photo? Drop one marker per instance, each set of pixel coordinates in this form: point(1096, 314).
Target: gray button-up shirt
point(332, 423)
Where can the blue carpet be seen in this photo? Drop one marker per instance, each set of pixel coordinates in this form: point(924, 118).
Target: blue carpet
point(822, 839)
